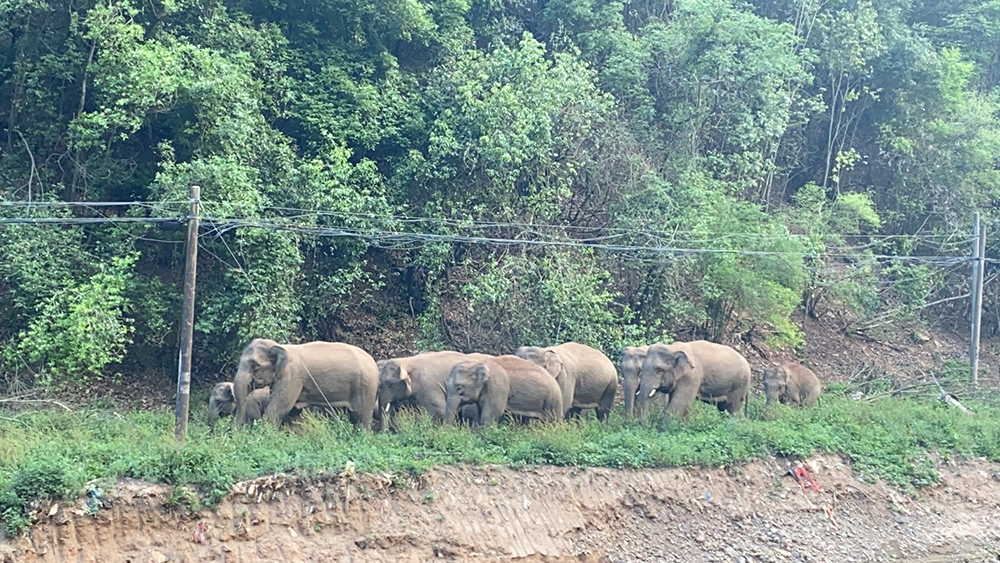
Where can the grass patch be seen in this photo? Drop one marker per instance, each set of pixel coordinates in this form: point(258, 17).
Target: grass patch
point(51, 454)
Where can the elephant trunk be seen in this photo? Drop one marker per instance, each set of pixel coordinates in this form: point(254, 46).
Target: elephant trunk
point(451, 410)
point(773, 394)
point(630, 386)
point(241, 391)
point(213, 415)
point(646, 390)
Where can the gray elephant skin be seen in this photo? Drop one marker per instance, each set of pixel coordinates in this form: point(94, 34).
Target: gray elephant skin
point(632, 358)
point(222, 403)
point(713, 373)
point(316, 374)
point(503, 384)
point(791, 383)
point(587, 379)
point(416, 381)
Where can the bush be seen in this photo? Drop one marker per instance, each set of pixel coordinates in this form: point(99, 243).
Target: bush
point(36, 480)
point(51, 454)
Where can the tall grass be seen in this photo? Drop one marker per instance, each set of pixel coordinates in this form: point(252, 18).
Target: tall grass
point(52, 454)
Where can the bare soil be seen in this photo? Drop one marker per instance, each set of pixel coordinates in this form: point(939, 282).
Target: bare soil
point(757, 512)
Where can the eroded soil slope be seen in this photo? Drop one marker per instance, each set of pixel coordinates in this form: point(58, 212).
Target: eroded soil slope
point(757, 513)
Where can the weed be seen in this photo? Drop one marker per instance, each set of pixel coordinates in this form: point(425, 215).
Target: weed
point(49, 454)
point(429, 497)
point(38, 479)
point(184, 497)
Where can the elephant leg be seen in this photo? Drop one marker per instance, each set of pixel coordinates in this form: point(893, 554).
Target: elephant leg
point(607, 399)
point(723, 406)
point(737, 402)
point(573, 413)
point(489, 413)
point(469, 414)
point(284, 394)
point(680, 400)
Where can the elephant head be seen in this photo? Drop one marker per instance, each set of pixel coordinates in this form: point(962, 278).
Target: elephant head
point(660, 370)
point(542, 357)
point(632, 359)
point(394, 384)
point(261, 363)
point(464, 386)
point(775, 383)
point(221, 403)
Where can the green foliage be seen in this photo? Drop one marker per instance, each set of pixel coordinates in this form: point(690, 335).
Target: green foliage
point(50, 454)
point(546, 297)
point(33, 480)
point(80, 329)
point(762, 148)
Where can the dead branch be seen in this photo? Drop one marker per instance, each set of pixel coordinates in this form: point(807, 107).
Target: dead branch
point(17, 401)
point(950, 399)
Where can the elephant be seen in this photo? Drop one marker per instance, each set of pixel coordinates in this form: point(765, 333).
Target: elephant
point(222, 403)
point(586, 377)
point(416, 381)
point(503, 384)
point(791, 383)
point(316, 374)
point(714, 373)
point(632, 358)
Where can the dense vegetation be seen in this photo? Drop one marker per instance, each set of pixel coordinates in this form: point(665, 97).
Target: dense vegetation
point(808, 133)
point(51, 454)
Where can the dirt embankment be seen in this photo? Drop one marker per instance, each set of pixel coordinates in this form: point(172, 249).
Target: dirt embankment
point(755, 513)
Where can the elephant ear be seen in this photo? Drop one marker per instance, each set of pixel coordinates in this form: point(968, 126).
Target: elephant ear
point(553, 363)
point(782, 374)
point(226, 391)
point(682, 361)
point(279, 360)
point(404, 376)
point(482, 374)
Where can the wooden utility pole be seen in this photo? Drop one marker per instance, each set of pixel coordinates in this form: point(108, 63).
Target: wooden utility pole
point(978, 268)
point(187, 320)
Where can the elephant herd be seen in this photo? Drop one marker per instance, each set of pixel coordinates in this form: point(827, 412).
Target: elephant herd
point(274, 381)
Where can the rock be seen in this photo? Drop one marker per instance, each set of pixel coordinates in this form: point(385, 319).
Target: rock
point(732, 553)
point(700, 538)
point(157, 557)
point(899, 519)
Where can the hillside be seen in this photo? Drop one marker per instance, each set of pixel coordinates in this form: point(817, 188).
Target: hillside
point(751, 513)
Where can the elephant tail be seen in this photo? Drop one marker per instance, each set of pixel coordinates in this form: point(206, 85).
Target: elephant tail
point(746, 403)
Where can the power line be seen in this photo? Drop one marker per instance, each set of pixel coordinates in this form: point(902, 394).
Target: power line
point(85, 220)
point(30, 204)
point(403, 238)
point(473, 224)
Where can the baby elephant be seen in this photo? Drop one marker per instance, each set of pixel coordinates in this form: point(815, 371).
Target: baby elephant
point(503, 384)
point(222, 403)
point(791, 383)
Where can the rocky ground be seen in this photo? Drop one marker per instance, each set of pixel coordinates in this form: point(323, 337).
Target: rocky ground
point(754, 513)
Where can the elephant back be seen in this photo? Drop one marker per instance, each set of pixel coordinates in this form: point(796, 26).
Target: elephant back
point(580, 358)
point(721, 368)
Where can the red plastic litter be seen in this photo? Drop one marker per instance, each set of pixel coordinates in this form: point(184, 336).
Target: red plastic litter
point(803, 477)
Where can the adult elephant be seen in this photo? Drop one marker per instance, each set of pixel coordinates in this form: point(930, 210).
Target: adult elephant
point(317, 374)
point(586, 377)
point(416, 381)
point(791, 383)
point(503, 384)
point(713, 373)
